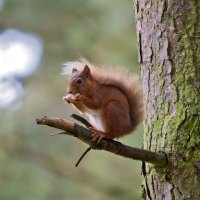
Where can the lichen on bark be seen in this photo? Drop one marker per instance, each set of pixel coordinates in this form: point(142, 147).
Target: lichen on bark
point(169, 46)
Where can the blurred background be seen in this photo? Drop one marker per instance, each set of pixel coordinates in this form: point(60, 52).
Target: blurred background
point(36, 38)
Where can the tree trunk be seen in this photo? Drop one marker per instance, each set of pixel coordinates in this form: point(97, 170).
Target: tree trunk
point(169, 51)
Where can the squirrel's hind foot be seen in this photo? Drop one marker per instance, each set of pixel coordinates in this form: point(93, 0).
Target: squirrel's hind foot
point(97, 135)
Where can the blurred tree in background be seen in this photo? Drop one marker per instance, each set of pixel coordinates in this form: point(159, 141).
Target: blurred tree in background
point(33, 165)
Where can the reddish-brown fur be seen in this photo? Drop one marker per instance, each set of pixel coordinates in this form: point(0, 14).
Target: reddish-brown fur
point(110, 96)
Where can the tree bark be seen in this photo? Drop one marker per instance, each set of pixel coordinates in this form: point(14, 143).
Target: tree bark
point(169, 53)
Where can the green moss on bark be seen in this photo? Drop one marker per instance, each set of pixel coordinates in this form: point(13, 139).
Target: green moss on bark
point(170, 50)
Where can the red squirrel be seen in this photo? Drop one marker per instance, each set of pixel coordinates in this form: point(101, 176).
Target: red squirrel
point(110, 97)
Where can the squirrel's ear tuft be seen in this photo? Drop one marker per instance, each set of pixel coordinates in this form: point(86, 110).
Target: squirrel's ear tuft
point(86, 71)
point(68, 67)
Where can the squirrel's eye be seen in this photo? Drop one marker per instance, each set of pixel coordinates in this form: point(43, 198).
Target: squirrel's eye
point(79, 81)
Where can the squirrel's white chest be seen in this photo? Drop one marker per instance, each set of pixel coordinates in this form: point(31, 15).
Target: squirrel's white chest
point(95, 118)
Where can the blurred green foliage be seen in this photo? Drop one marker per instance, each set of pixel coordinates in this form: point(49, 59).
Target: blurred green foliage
point(34, 166)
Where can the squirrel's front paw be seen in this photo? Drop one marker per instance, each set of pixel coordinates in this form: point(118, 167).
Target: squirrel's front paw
point(77, 97)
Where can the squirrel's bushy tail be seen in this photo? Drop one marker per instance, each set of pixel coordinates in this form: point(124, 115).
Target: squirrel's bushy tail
point(121, 79)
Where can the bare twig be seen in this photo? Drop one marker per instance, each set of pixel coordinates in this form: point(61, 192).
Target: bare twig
point(82, 120)
point(83, 155)
point(58, 133)
point(112, 146)
point(87, 124)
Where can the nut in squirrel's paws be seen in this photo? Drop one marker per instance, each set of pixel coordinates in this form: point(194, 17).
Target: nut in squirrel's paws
point(70, 98)
point(97, 135)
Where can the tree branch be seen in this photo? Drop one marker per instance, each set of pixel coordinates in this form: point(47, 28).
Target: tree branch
point(112, 146)
point(82, 120)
